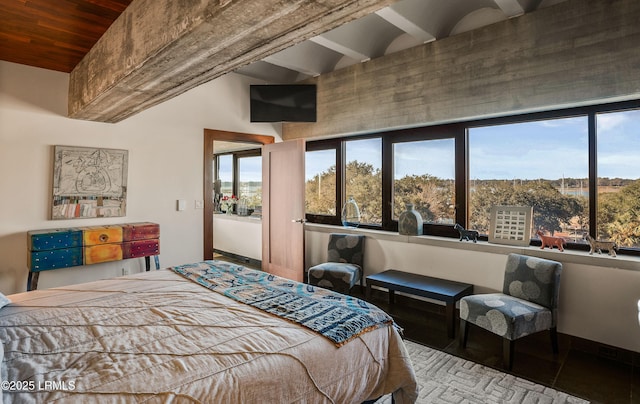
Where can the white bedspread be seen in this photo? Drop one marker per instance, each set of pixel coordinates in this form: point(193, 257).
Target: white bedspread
point(157, 337)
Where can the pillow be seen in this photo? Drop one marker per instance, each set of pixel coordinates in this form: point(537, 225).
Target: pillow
point(4, 300)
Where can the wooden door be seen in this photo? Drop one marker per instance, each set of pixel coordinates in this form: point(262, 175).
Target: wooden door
point(283, 209)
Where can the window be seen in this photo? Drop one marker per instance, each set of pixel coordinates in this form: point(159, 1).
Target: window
point(240, 174)
point(578, 168)
point(424, 175)
point(363, 177)
point(320, 182)
point(618, 183)
point(225, 173)
point(339, 168)
point(250, 180)
point(544, 164)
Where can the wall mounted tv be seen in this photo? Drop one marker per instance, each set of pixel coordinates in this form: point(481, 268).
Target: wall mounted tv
point(283, 102)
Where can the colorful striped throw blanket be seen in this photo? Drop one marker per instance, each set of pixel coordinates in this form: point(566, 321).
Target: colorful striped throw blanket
point(337, 317)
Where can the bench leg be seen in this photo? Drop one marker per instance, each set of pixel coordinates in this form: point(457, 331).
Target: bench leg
point(450, 313)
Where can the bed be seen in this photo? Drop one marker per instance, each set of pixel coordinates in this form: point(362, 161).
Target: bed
point(198, 333)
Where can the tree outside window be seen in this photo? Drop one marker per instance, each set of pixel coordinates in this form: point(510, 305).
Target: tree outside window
point(424, 175)
point(250, 180)
point(618, 207)
point(363, 177)
point(543, 164)
point(320, 182)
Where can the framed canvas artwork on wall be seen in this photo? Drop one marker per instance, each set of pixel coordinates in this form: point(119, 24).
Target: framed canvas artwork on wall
point(89, 182)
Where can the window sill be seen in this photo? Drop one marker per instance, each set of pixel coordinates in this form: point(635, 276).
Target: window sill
point(626, 262)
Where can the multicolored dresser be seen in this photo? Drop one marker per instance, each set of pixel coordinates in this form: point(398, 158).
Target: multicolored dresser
point(62, 248)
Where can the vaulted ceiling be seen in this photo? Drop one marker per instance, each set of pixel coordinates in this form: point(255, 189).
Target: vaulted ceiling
point(56, 34)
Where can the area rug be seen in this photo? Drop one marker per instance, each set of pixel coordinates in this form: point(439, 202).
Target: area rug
point(444, 378)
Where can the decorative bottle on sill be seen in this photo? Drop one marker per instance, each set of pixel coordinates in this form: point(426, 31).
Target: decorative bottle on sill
point(350, 213)
point(241, 208)
point(410, 221)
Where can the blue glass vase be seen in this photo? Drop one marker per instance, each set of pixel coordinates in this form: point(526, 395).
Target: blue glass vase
point(350, 213)
point(410, 221)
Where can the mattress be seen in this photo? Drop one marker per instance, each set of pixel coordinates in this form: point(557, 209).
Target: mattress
point(159, 337)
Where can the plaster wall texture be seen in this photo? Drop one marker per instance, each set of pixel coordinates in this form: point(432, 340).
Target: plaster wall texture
point(165, 145)
point(573, 53)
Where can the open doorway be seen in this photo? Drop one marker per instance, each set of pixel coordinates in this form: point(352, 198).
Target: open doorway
point(218, 136)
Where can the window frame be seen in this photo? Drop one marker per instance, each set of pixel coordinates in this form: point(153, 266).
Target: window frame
point(343, 175)
point(236, 155)
point(321, 146)
point(437, 132)
point(459, 131)
point(389, 138)
point(537, 117)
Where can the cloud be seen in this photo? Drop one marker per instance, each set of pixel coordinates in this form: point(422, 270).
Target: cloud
point(610, 122)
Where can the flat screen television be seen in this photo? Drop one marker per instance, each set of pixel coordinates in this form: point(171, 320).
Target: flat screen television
point(283, 102)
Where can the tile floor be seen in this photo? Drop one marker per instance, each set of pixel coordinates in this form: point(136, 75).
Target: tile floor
point(582, 368)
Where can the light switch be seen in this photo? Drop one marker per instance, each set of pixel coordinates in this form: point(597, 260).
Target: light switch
point(199, 204)
point(182, 204)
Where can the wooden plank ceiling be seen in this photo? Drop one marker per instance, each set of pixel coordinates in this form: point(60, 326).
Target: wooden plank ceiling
point(54, 34)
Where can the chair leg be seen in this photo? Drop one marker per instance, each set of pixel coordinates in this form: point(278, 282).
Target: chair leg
point(507, 353)
point(464, 333)
point(554, 340)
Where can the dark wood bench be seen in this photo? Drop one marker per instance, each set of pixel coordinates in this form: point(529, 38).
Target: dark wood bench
point(425, 286)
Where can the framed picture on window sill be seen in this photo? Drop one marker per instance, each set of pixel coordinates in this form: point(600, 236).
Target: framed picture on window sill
point(511, 225)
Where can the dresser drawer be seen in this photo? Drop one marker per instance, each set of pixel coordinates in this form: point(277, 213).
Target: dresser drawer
point(102, 253)
point(97, 235)
point(140, 248)
point(53, 259)
point(140, 231)
point(42, 240)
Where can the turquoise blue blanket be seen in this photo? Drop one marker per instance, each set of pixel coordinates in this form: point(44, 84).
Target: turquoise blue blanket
point(337, 317)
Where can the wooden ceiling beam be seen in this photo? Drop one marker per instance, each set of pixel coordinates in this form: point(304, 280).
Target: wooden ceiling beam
point(158, 49)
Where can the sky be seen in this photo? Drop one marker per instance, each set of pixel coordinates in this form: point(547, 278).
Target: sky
point(251, 168)
point(531, 150)
point(550, 149)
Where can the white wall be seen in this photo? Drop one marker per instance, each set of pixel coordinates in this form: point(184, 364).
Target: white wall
point(165, 145)
point(238, 235)
point(598, 294)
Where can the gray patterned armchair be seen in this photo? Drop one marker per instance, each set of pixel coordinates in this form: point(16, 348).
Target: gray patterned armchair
point(528, 304)
point(344, 267)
